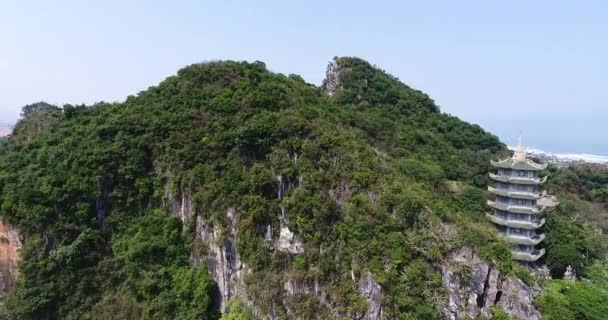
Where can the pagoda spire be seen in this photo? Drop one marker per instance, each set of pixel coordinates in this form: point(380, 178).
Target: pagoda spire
point(520, 152)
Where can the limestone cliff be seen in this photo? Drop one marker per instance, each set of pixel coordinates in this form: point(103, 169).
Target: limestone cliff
point(10, 243)
point(216, 248)
point(474, 287)
point(221, 257)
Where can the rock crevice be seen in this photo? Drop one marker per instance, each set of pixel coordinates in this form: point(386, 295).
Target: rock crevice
point(474, 288)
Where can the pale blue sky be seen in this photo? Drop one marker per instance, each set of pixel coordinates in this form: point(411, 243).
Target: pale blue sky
point(544, 63)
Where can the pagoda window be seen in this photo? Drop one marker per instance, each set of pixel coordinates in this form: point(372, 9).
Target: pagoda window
point(522, 173)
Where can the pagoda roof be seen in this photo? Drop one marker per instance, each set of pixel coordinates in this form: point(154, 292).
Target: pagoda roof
point(512, 163)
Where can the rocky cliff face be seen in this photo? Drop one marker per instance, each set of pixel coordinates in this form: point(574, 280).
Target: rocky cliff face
point(332, 78)
point(369, 289)
point(217, 250)
point(221, 257)
point(474, 287)
point(10, 243)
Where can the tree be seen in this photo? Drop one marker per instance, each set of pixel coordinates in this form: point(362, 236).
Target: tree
point(38, 107)
point(36, 118)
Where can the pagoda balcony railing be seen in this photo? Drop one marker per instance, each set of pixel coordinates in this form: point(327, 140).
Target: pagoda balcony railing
point(528, 256)
point(513, 223)
point(525, 240)
point(516, 194)
point(516, 209)
point(517, 179)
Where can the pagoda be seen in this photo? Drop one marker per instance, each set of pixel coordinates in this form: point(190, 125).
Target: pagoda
point(519, 204)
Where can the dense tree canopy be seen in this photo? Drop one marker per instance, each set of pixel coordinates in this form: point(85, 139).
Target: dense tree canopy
point(576, 237)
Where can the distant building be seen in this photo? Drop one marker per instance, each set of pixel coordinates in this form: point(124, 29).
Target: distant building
point(519, 203)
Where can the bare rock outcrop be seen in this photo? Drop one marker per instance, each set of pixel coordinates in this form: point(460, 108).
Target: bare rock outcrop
point(474, 287)
point(180, 208)
point(10, 243)
point(332, 78)
point(369, 289)
point(217, 250)
point(288, 242)
point(221, 257)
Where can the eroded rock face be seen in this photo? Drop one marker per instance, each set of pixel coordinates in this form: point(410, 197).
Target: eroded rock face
point(287, 242)
point(517, 299)
point(221, 258)
point(10, 243)
point(474, 287)
point(218, 251)
point(369, 289)
point(332, 78)
point(180, 208)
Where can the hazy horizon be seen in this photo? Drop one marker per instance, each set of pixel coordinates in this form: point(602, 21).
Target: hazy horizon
point(539, 67)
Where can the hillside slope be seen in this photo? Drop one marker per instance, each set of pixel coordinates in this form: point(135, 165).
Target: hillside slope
point(228, 187)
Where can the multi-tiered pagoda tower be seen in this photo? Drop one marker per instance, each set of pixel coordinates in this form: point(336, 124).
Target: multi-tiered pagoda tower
point(518, 206)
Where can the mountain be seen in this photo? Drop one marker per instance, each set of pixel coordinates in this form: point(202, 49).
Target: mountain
point(231, 191)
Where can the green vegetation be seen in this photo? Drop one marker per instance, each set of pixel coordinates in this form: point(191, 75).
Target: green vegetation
point(576, 237)
point(576, 229)
point(37, 118)
point(371, 171)
point(585, 188)
point(588, 299)
point(588, 181)
point(237, 312)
